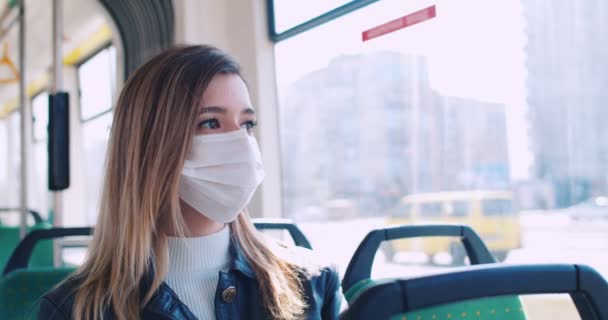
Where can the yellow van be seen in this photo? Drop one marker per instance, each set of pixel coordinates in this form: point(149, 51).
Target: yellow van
point(489, 213)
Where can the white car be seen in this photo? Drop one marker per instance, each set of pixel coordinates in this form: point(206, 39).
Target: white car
point(592, 209)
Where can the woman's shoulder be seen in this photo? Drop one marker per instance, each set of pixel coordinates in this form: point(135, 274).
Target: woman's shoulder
point(305, 259)
point(313, 267)
point(58, 303)
point(320, 279)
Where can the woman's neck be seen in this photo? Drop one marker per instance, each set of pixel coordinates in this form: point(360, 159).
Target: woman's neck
point(197, 224)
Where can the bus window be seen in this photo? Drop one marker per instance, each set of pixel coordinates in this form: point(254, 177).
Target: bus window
point(497, 207)
point(458, 209)
point(40, 119)
point(97, 88)
point(96, 82)
point(460, 107)
point(40, 112)
point(5, 164)
point(96, 134)
point(431, 209)
point(403, 210)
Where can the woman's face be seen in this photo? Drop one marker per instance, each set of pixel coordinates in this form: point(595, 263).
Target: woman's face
point(225, 106)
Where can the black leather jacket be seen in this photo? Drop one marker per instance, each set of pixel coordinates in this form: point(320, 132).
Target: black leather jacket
point(237, 295)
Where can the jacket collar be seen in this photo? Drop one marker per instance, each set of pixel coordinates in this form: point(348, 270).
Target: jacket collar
point(239, 263)
point(239, 260)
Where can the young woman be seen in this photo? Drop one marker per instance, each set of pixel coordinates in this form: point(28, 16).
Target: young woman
point(173, 239)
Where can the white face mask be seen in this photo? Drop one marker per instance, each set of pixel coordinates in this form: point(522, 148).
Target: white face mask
point(221, 173)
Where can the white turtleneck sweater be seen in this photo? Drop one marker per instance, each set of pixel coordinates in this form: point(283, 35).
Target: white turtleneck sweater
point(194, 267)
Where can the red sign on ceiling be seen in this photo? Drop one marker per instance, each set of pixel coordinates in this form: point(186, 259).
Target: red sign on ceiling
point(400, 23)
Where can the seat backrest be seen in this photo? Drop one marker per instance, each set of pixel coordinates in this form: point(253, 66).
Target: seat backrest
point(9, 239)
point(23, 253)
point(20, 290)
point(296, 234)
point(357, 276)
point(21, 286)
point(483, 292)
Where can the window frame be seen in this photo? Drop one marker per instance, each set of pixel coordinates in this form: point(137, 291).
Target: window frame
point(311, 23)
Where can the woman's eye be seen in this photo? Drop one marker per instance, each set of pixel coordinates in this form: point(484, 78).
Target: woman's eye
point(249, 125)
point(209, 124)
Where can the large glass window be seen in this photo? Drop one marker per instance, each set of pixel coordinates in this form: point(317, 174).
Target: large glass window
point(40, 113)
point(487, 97)
point(96, 82)
point(10, 180)
point(95, 136)
point(6, 165)
point(97, 89)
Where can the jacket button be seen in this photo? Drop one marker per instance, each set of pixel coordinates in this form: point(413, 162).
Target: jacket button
point(228, 294)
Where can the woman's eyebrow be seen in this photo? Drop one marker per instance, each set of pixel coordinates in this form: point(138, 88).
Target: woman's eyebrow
point(213, 110)
point(221, 110)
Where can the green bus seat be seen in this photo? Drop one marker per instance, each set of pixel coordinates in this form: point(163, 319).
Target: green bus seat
point(358, 274)
point(481, 292)
point(21, 290)
point(357, 277)
point(9, 238)
point(22, 285)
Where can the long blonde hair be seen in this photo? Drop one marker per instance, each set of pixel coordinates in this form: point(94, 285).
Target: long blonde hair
point(153, 124)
